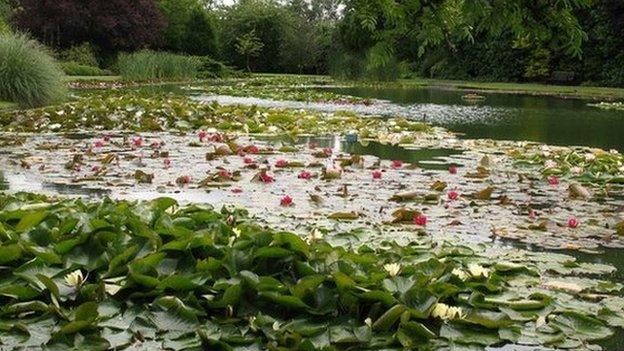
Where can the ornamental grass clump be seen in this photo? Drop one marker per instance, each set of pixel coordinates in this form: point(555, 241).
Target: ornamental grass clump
point(29, 76)
point(150, 65)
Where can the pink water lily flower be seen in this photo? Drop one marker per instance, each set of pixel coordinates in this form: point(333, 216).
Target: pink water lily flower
point(202, 134)
point(286, 201)
point(328, 151)
point(397, 164)
point(265, 177)
point(532, 214)
point(420, 220)
point(225, 174)
point(237, 190)
point(252, 149)
point(281, 163)
point(167, 163)
point(137, 142)
point(98, 143)
point(95, 169)
point(185, 179)
point(248, 160)
point(453, 195)
point(376, 174)
point(156, 144)
point(305, 175)
point(452, 169)
point(553, 180)
point(312, 145)
point(573, 222)
point(216, 138)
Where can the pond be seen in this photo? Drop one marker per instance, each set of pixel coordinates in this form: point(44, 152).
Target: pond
point(550, 120)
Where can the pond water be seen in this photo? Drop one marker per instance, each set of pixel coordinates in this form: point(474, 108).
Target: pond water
point(551, 120)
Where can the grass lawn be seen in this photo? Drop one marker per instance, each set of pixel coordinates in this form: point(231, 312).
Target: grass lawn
point(5, 105)
point(585, 92)
point(98, 78)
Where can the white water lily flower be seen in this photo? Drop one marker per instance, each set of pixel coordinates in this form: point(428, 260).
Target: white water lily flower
point(112, 289)
point(576, 170)
point(460, 274)
point(368, 321)
point(272, 129)
point(614, 151)
point(74, 278)
point(314, 235)
point(550, 164)
point(446, 312)
point(589, 157)
point(276, 326)
point(478, 271)
point(393, 269)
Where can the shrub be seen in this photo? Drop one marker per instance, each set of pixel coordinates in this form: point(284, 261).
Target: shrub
point(211, 68)
point(75, 69)
point(150, 65)
point(29, 76)
point(83, 54)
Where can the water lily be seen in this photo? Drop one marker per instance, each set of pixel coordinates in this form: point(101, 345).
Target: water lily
point(420, 220)
point(576, 170)
point(393, 269)
point(305, 175)
point(452, 195)
point(553, 180)
point(312, 145)
point(459, 274)
point(590, 157)
point(396, 164)
point(314, 235)
point(75, 278)
point(573, 222)
point(281, 163)
point(216, 138)
point(98, 143)
point(107, 138)
point(328, 151)
point(452, 169)
point(156, 144)
point(548, 164)
point(202, 134)
point(183, 180)
point(167, 163)
point(252, 149)
point(137, 142)
point(237, 190)
point(446, 312)
point(376, 174)
point(248, 160)
point(532, 214)
point(478, 271)
point(95, 169)
point(286, 201)
point(225, 174)
point(265, 177)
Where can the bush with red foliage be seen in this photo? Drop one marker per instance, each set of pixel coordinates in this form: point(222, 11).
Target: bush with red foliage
point(112, 25)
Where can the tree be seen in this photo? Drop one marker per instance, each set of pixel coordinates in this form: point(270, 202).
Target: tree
point(381, 28)
point(249, 45)
point(201, 34)
point(112, 25)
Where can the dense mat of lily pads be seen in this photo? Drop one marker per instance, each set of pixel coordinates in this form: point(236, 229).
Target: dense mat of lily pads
point(153, 275)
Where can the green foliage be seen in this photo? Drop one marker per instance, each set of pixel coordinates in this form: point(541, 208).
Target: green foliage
point(538, 67)
point(190, 28)
point(211, 68)
point(83, 54)
point(29, 76)
point(76, 69)
point(150, 65)
point(249, 45)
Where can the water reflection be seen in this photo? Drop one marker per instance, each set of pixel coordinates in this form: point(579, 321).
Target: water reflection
point(550, 120)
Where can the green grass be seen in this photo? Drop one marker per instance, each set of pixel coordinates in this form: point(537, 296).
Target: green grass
point(96, 78)
point(6, 105)
point(586, 92)
point(150, 66)
point(29, 76)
